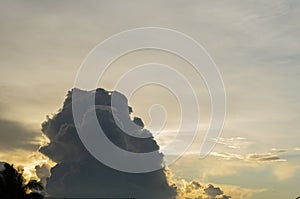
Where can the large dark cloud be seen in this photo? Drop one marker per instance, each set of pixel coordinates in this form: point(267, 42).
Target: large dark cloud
point(80, 174)
point(14, 135)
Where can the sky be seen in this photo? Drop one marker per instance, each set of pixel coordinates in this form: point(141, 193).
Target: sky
point(255, 45)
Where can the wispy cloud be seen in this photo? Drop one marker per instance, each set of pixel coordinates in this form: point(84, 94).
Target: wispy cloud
point(234, 142)
point(16, 136)
point(254, 157)
point(265, 157)
point(227, 156)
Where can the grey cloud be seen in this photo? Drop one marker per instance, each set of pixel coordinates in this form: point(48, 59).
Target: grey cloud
point(14, 135)
point(213, 191)
point(267, 157)
point(79, 174)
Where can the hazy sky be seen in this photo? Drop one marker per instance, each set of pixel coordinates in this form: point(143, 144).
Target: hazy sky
point(254, 43)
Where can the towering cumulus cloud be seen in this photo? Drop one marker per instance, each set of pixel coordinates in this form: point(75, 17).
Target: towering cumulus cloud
point(79, 174)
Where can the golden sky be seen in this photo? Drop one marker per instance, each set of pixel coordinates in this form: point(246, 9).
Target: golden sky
point(254, 43)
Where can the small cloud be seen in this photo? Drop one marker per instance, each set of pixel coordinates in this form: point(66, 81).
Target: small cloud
point(265, 157)
point(43, 172)
point(212, 191)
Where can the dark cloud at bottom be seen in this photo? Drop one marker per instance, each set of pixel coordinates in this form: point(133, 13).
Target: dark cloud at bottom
point(79, 174)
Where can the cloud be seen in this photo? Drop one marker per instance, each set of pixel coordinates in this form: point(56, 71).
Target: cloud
point(271, 26)
point(229, 169)
point(233, 142)
point(194, 190)
point(265, 157)
point(212, 191)
point(43, 172)
point(271, 156)
point(275, 150)
point(15, 136)
point(26, 159)
point(226, 156)
point(19, 145)
point(78, 173)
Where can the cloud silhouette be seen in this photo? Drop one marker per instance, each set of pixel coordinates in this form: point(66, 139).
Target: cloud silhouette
point(79, 174)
